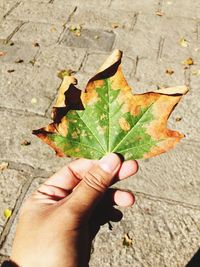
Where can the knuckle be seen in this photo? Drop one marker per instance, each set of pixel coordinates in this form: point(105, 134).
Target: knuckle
point(97, 179)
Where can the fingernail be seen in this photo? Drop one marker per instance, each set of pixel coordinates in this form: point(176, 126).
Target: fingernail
point(110, 163)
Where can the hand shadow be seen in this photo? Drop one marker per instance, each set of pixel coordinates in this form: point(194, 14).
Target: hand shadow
point(195, 260)
point(105, 212)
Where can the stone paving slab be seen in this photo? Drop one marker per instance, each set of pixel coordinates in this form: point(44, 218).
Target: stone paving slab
point(82, 4)
point(19, 50)
point(42, 12)
point(137, 43)
point(15, 129)
point(101, 40)
point(103, 19)
point(33, 92)
point(60, 57)
point(136, 6)
point(185, 9)
point(157, 73)
point(165, 45)
point(42, 33)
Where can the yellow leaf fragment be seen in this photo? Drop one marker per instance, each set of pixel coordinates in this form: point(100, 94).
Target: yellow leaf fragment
point(115, 25)
point(3, 165)
point(7, 213)
point(76, 29)
point(183, 42)
point(127, 240)
point(189, 61)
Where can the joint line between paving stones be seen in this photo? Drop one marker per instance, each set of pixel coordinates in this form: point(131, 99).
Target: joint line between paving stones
point(83, 61)
point(26, 168)
point(160, 47)
point(21, 112)
point(136, 66)
point(187, 76)
point(9, 222)
point(198, 30)
point(53, 99)
point(15, 31)
point(110, 2)
point(11, 9)
point(159, 6)
point(64, 25)
point(167, 200)
point(135, 19)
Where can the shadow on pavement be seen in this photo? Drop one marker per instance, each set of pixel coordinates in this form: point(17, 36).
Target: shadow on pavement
point(195, 261)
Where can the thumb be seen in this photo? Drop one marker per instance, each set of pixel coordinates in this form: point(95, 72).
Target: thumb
point(95, 182)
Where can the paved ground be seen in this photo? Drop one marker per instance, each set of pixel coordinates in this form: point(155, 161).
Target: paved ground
point(155, 36)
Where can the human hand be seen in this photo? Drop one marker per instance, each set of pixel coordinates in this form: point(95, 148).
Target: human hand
point(58, 221)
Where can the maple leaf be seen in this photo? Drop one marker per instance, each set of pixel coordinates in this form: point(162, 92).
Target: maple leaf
point(107, 117)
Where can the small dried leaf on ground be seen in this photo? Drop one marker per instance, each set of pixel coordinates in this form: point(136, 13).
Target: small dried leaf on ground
point(169, 71)
point(10, 71)
point(115, 25)
point(3, 165)
point(2, 53)
point(36, 44)
point(159, 13)
point(25, 143)
point(183, 42)
point(178, 119)
point(127, 240)
point(19, 60)
point(7, 213)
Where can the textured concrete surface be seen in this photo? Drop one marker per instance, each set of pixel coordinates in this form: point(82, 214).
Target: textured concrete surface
point(35, 35)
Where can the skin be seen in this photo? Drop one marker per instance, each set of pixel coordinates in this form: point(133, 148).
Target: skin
point(58, 222)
